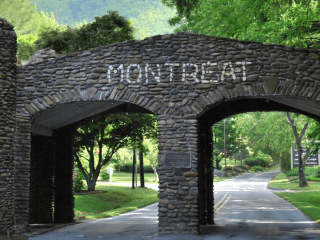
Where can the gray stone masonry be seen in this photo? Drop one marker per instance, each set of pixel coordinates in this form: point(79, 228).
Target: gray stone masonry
point(178, 77)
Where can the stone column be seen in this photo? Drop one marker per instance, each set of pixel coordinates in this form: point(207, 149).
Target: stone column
point(8, 48)
point(63, 177)
point(202, 175)
point(209, 173)
point(178, 196)
point(205, 173)
point(41, 184)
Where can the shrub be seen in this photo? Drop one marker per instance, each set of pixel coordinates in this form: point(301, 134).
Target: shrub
point(104, 174)
point(234, 173)
point(257, 169)
point(257, 161)
point(78, 180)
point(293, 172)
point(128, 168)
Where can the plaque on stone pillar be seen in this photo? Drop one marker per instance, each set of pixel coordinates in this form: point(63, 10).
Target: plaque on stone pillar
point(178, 159)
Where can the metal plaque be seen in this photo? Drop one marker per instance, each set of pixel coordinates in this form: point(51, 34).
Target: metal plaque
point(178, 159)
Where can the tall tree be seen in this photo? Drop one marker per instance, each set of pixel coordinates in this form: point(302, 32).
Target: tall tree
point(298, 139)
point(109, 28)
point(267, 132)
point(99, 138)
point(225, 130)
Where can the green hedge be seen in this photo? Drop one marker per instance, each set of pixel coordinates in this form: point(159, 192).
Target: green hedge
point(128, 168)
point(257, 161)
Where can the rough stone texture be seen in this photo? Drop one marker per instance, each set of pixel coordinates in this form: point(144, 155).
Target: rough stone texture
point(9, 188)
point(189, 81)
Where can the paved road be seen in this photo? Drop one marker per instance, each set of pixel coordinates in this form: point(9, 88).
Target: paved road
point(245, 209)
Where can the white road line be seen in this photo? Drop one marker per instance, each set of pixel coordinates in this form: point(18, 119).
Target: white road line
point(225, 202)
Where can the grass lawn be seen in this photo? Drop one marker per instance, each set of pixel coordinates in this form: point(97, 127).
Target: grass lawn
point(307, 202)
point(125, 177)
point(116, 200)
point(281, 181)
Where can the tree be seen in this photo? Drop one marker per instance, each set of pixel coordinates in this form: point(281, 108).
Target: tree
point(287, 22)
point(302, 159)
point(109, 28)
point(267, 132)
point(225, 129)
point(99, 138)
point(152, 156)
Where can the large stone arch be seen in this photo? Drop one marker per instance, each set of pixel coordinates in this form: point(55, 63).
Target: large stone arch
point(179, 77)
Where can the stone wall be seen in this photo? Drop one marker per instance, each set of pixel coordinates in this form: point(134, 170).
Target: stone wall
point(189, 81)
point(8, 191)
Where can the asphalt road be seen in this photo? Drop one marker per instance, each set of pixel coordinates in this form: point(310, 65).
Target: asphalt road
point(245, 209)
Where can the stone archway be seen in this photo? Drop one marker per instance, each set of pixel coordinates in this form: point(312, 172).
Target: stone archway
point(178, 77)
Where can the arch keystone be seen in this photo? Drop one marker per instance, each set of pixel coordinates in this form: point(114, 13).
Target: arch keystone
point(91, 92)
point(271, 83)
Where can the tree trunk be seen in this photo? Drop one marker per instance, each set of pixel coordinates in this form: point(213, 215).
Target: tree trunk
point(92, 182)
point(155, 171)
point(302, 174)
point(141, 169)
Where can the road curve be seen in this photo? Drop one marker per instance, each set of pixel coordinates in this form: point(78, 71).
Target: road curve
point(244, 209)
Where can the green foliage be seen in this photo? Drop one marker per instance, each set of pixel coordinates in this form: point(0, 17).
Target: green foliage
point(312, 173)
point(256, 169)
point(100, 137)
point(104, 175)
point(109, 28)
point(293, 172)
point(286, 22)
point(149, 17)
point(233, 146)
point(79, 181)
point(257, 161)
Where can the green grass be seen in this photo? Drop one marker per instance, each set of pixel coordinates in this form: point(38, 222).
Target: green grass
point(281, 181)
point(307, 202)
point(124, 177)
point(116, 200)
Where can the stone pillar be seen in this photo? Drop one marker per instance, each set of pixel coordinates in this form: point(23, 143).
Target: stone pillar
point(202, 176)
point(63, 177)
point(178, 196)
point(209, 173)
point(8, 48)
point(41, 184)
point(205, 173)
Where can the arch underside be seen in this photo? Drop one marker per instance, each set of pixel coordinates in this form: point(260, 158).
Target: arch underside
point(64, 114)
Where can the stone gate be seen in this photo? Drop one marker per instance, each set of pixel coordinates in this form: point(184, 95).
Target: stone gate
point(189, 81)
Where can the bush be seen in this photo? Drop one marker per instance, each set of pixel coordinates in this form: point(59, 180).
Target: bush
point(257, 161)
point(128, 168)
point(256, 169)
point(234, 173)
point(293, 172)
point(78, 180)
point(104, 174)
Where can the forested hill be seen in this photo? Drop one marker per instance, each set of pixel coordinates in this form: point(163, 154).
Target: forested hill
point(149, 16)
